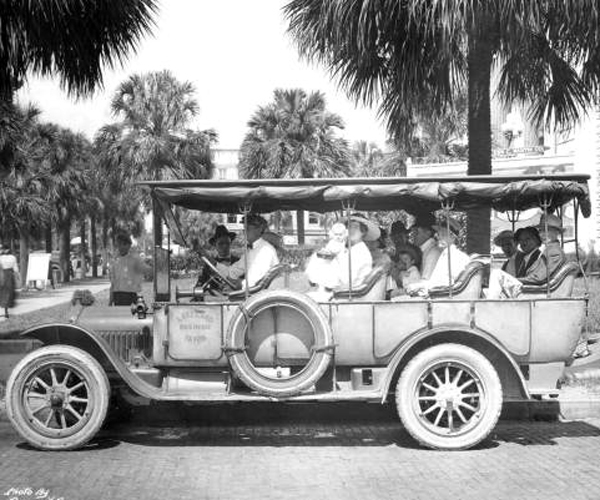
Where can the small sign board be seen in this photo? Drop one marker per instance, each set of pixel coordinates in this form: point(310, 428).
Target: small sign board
point(37, 267)
point(195, 332)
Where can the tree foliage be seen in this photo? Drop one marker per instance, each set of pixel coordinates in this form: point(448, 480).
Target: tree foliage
point(153, 139)
point(412, 57)
point(74, 40)
point(294, 136)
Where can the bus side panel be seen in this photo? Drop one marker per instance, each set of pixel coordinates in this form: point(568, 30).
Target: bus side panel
point(509, 321)
point(556, 327)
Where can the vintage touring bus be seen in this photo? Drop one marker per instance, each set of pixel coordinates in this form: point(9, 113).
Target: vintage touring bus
point(448, 360)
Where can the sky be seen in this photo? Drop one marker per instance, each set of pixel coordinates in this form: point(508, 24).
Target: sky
point(235, 52)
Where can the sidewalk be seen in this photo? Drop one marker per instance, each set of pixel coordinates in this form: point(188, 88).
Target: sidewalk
point(34, 301)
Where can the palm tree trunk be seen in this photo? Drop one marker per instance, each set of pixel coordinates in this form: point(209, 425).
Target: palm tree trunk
point(48, 237)
point(94, 246)
point(23, 254)
point(300, 226)
point(64, 237)
point(104, 245)
point(82, 246)
point(480, 134)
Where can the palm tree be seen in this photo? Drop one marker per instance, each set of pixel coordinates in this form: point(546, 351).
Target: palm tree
point(153, 139)
point(23, 179)
point(413, 57)
point(73, 40)
point(294, 136)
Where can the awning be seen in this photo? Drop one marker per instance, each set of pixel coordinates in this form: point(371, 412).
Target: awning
point(414, 195)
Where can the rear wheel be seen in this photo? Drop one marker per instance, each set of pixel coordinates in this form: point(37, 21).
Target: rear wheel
point(449, 397)
point(57, 397)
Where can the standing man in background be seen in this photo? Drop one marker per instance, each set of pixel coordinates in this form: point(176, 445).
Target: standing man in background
point(126, 273)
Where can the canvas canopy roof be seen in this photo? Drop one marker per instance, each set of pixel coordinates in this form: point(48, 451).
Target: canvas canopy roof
point(414, 195)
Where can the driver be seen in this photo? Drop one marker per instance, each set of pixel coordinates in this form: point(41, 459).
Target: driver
point(262, 256)
point(221, 241)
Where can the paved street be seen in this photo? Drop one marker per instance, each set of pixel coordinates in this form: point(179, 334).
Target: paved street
point(233, 452)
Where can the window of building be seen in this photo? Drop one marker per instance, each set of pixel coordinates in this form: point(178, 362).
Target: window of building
point(313, 219)
point(232, 218)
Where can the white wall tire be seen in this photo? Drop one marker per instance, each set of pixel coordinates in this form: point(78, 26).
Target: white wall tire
point(317, 364)
point(57, 397)
point(449, 397)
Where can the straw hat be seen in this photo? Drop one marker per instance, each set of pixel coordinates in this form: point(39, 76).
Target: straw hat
point(373, 231)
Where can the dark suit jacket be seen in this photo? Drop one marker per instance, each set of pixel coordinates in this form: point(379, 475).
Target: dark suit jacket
point(522, 269)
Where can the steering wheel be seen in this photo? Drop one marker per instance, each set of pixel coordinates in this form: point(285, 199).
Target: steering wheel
point(216, 275)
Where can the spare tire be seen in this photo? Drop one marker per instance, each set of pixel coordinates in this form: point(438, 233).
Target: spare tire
point(240, 325)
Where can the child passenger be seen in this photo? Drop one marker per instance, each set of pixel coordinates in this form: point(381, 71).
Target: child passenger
point(320, 264)
point(409, 272)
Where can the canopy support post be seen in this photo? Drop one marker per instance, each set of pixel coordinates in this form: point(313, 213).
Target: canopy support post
point(545, 204)
point(447, 206)
point(348, 207)
point(513, 217)
point(245, 209)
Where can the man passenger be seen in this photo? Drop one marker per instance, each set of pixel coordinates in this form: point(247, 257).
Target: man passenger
point(262, 256)
point(423, 237)
point(530, 267)
point(552, 250)
point(459, 260)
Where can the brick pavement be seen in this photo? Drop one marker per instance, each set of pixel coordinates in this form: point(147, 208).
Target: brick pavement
point(309, 453)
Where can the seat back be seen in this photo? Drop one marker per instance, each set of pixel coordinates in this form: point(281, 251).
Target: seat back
point(262, 284)
point(467, 286)
point(373, 287)
point(561, 283)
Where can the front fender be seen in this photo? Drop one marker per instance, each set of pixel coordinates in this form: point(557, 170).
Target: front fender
point(88, 341)
point(513, 382)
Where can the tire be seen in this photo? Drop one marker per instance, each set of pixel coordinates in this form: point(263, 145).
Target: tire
point(242, 365)
point(449, 397)
point(57, 397)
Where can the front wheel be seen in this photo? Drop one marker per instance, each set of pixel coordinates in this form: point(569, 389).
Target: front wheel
point(449, 397)
point(57, 397)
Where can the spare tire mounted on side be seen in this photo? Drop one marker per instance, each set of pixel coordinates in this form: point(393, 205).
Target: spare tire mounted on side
point(240, 327)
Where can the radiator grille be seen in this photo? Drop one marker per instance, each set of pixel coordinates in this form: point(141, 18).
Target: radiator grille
point(127, 343)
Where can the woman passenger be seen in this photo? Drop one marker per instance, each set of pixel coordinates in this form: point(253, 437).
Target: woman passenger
point(360, 229)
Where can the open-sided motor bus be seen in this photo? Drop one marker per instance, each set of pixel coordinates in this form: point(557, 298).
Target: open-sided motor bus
point(448, 360)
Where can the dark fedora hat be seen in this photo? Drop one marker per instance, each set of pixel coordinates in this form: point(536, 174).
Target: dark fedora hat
point(221, 231)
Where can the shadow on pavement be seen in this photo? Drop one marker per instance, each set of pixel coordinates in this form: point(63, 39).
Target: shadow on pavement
point(279, 425)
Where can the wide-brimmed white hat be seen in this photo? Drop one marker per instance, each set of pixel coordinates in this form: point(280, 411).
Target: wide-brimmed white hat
point(373, 231)
point(552, 220)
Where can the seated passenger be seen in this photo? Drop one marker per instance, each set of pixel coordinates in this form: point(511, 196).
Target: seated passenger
point(221, 241)
point(360, 230)
point(262, 256)
point(400, 239)
point(377, 248)
point(552, 250)
point(322, 267)
point(506, 240)
point(409, 272)
point(423, 237)
point(529, 263)
point(447, 245)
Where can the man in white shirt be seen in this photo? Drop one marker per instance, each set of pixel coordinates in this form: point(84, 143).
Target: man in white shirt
point(423, 238)
point(262, 256)
point(458, 259)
